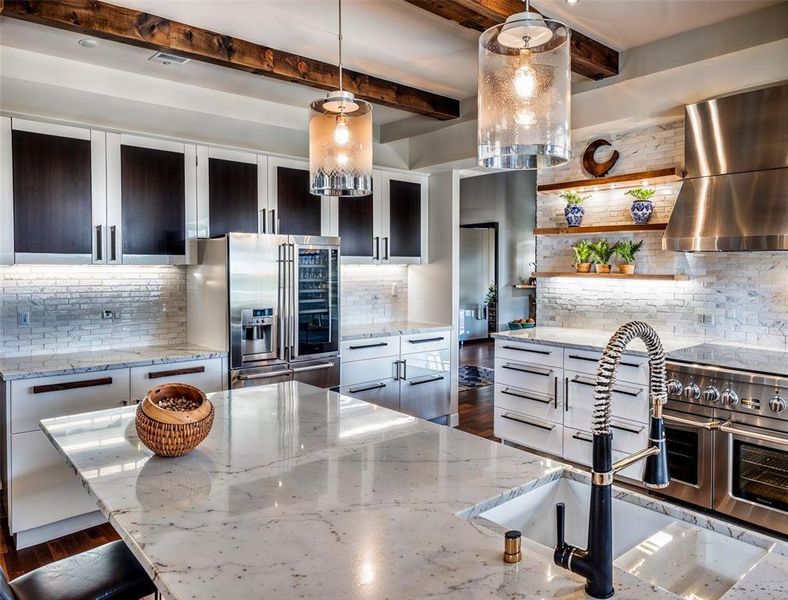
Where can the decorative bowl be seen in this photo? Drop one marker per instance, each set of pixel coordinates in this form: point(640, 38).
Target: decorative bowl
point(169, 432)
point(513, 326)
point(528, 325)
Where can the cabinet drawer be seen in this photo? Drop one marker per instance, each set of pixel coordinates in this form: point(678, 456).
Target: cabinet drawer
point(45, 397)
point(536, 354)
point(426, 395)
point(527, 376)
point(632, 369)
point(529, 431)
point(204, 374)
point(369, 348)
point(541, 406)
point(423, 342)
point(383, 393)
point(627, 401)
point(43, 487)
point(361, 371)
point(578, 447)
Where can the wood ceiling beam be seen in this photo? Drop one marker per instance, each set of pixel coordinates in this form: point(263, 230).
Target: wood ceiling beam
point(145, 30)
point(589, 58)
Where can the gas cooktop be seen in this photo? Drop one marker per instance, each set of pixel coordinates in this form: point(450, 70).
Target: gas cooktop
point(752, 360)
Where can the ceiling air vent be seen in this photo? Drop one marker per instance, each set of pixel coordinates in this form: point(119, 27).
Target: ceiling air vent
point(168, 59)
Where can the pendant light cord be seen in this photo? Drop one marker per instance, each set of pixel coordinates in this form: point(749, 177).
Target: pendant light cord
point(340, 44)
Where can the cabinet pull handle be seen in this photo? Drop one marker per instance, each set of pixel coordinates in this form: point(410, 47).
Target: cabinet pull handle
point(555, 393)
point(376, 386)
point(566, 394)
point(545, 352)
point(582, 438)
point(274, 222)
point(532, 370)
point(512, 417)
point(386, 246)
point(368, 346)
point(404, 364)
point(113, 238)
point(377, 248)
point(629, 364)
point(262, 220)
point(71, 385)
point(425, 340)
point(175, 372)
point(618, 390)
point(429, 380)
point(593, 360)
point(627, 429)
point(99, 240)
point(509, 392)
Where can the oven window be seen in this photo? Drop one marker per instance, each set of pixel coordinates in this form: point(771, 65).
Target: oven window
point(683, 451)
point(760, 474)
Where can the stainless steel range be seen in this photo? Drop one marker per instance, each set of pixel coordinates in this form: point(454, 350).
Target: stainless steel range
point(727, 431)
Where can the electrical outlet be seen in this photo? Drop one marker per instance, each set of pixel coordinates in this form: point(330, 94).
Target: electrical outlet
point(706, 319)
point(107, 314)
point(23, 318)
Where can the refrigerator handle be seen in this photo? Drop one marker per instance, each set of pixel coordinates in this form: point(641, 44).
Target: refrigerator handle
point(294, 275)
point(282, 316)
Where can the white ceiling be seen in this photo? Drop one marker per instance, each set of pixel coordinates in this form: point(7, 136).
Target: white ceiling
point(388, 38)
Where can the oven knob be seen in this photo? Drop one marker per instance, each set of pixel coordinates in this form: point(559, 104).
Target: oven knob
point(777, 404)
point(675, 388)
point(711, 394)
point(692, 391)
point(729, 397)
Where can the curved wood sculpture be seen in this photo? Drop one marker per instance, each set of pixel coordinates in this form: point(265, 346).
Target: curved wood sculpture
point(594, 168)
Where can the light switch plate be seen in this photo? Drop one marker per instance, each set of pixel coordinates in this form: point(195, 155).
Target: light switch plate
point(23, 318)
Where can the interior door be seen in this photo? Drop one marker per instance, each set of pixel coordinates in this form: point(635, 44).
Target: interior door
point(477, 272)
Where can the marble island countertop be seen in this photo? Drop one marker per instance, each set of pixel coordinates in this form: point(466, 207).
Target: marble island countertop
point(304, 493)
point(44, 365)
point(373, 330)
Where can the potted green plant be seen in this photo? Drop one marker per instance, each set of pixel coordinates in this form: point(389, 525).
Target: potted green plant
point(642, 206)
point(601, 253)
point(583, 250)
point(574, 211)
point(492, 294)
point(626, 251)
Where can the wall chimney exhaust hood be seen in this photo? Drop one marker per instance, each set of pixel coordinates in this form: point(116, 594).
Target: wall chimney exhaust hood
point(735, 195)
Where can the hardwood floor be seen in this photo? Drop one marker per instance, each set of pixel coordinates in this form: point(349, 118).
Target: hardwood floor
point(476, 405)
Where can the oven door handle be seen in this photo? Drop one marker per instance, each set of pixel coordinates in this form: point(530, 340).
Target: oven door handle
point(710, 425)
point(727, 427)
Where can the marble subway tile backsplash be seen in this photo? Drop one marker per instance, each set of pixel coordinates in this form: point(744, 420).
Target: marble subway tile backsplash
point(374, 294)
point(65, 304)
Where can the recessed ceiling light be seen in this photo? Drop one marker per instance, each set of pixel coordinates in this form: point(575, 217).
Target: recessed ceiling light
point(573, 2)
point(168, 59)
point(87, 43)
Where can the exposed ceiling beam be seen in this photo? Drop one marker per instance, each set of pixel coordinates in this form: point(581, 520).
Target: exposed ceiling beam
point(589, 57)
point(145, 30)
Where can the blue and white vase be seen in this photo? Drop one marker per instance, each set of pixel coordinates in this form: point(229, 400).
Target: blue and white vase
point(574, 214)
point(641, 211)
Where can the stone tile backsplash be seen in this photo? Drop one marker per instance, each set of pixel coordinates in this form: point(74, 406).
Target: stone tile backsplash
point(734, 297)
point(66, 303)
point(374, 294)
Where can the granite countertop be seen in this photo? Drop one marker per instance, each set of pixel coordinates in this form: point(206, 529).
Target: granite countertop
point(373, 330)
point(304, 493)
point(591, 339)
point(44, 365)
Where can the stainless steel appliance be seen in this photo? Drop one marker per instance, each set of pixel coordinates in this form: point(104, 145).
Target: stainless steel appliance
point(735, 193)
point(477, 273)
point(273, 302)
point(727, 431)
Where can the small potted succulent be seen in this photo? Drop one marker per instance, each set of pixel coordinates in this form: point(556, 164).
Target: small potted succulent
point(642, 206)
point(601, 253)
point(584, 250)
point(626, 251)
point(574, 211)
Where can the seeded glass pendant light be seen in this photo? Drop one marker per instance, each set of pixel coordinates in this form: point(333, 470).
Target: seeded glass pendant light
point(340, 141)
point(524, 93)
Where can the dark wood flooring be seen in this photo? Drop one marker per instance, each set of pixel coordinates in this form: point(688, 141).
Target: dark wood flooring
point(476, 405)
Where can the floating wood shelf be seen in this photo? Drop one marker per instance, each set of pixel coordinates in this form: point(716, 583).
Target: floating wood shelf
point(600, 229)
point(652, 177)
point(524, 286)
point(654, 277)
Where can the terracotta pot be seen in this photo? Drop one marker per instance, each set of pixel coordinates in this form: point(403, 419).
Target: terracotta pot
point(603, 268)
point(626, 269)
point(583, 267)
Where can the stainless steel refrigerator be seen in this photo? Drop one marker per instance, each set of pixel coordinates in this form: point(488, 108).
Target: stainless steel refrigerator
point(477, 273)
point(272, 302)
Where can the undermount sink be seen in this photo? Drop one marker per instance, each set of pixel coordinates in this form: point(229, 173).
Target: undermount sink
point(690, 561)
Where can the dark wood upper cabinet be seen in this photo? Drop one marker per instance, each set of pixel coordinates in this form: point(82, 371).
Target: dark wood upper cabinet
point(152, 197)
point(52, 194)
point(299, 210)
point(356, 226)
point(232, 191)
point(404, 218)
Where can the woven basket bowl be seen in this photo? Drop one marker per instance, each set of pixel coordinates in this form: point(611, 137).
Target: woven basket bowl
point(170, 433)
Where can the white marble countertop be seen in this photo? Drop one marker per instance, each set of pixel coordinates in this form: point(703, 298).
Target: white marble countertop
point(303, 493)
point(592, 339)
point(373, 330)
point(44, 365)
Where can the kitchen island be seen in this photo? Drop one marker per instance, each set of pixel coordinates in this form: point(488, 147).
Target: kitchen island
point(301, 492)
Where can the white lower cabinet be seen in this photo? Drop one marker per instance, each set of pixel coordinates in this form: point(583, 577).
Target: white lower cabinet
point(578, 445)
point(525, 430)
point(204, 374)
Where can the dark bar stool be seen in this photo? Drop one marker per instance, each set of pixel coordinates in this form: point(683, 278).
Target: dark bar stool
point(109, 572)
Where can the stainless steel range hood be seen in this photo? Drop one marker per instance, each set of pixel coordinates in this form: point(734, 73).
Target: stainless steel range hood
point(735, 195)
